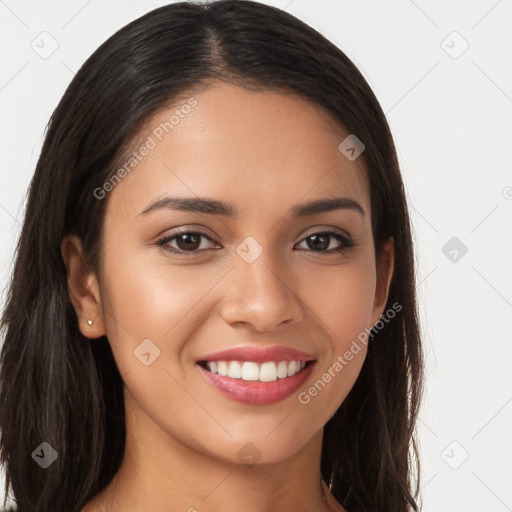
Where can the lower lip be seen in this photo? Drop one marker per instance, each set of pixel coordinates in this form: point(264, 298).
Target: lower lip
point(256, 392)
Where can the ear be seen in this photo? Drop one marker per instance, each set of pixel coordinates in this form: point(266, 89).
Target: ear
point(83, 288)
point(385, 266)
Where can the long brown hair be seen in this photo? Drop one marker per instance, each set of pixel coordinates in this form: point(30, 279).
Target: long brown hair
point(57, 387)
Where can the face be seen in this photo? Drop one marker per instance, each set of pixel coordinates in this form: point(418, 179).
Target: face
point(253, 273)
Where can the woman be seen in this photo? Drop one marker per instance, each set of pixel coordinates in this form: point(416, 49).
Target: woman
point(213, 302)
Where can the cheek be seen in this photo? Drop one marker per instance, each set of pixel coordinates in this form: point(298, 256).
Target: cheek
point(151, 298)
point(344, 304)
point(343, 300)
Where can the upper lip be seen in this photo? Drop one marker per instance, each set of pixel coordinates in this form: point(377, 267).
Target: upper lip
point(259, 355)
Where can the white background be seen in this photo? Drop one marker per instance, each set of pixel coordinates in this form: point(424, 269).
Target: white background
point(450, 115)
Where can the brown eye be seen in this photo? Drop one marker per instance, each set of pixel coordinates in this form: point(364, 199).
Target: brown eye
point(320, 242)
point(187, 242)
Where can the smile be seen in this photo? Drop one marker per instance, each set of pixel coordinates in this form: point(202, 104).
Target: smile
point(249, 385)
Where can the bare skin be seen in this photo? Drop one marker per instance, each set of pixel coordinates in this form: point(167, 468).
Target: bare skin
point(263, 153)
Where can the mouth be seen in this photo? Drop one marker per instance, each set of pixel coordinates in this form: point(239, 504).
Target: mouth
point(254, 383)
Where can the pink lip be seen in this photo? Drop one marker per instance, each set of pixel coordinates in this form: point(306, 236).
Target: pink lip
point(259, 355)
point(256, 392)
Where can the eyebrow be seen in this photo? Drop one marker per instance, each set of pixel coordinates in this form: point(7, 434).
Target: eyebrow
point(211, 206)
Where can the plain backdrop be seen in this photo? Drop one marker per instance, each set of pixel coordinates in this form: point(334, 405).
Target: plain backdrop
point(441, 71)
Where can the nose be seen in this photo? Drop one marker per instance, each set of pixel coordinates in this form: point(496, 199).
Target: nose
point(261, 296)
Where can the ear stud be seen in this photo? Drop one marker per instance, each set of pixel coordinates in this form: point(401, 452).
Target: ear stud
point(90, 322)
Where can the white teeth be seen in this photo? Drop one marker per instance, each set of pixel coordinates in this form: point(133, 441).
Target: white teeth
point(292, 368)
point(268, 372)
point(222, 368)
point(248, 370)
point(282, 369)
point(234, 370)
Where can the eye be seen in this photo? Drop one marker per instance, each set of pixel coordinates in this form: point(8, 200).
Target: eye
point(321, 241)
point(187, 242)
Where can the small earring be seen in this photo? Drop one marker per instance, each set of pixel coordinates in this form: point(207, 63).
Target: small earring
point(90, 322)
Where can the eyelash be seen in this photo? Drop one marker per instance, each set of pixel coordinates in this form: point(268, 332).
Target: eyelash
point(346, 243)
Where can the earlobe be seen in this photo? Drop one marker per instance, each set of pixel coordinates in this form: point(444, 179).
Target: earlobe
point(83, 288)
point(385, 268)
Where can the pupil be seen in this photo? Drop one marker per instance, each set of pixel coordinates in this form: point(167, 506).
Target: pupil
point(191, 241)
point(323, 245)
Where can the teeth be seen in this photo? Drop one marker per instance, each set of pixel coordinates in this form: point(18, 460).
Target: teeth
point(248, 370)
point(282, 369)
point(268, 372)
point(292, 368)
point(235, 370)
point(222, 368)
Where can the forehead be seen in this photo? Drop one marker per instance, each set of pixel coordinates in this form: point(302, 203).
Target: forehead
point(251, 148)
